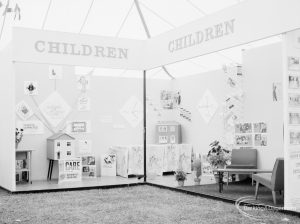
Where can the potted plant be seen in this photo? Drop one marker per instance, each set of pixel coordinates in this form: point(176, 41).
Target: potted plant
point(197, 168)
point(180, 176)
point(218, 156)
point(19, 136)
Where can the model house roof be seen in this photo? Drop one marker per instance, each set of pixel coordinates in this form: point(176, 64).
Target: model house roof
point(61, 136)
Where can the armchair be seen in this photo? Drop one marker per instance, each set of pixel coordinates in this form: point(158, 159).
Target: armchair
point(274, 181)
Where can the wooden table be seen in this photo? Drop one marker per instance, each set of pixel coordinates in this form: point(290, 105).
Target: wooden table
point(28, 153)
point(237, 171)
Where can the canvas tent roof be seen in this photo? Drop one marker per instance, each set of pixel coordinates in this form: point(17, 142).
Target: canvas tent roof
point(120, 18)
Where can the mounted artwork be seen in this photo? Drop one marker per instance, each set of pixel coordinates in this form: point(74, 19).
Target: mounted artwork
point(170, 99)
point(294, 81)
point(84, 103)
point(155, 157)
point(136, 160)
point(108, 165)
point(260, 140)
point(244, 140)
point(23, 110)
point(294, 63)
point(89, 167)
point(30, 88)
point(121, 153)
point(85, 146)
point(55, 109)
point(132, 111)
point(83, 83)
point(207, 106)
point(55, 72)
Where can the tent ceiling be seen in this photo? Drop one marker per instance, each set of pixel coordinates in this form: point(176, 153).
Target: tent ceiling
point(120, 18)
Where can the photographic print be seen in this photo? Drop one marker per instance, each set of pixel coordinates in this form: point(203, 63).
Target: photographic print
point(170, 99)
point(243, 140)
point(30, 88)
point(277, 91)
point(295, 137)
point(294, 118)
point(294, 82)
point(260, 127)
point(243, 128)
point(293, 63)
point(55, 72)
point(23, 110)
point(260, 140)
point(294, 100)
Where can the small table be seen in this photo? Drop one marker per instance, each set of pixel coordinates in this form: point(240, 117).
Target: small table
point(28, 153)
point(237, 171)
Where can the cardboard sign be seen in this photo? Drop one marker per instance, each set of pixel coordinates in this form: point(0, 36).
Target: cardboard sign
point(69, 170)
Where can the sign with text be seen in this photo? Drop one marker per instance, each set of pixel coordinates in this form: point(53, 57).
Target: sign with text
point(40, 46)
point(70, 170)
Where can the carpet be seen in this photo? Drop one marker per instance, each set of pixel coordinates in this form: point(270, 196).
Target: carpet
point(236, 190)
point(138, 204)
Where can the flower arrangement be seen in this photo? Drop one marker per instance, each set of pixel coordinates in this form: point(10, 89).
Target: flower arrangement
point(180, 175)
point(218, 156)
point(19, 136)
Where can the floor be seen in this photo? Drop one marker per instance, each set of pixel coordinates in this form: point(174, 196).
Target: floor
point(84, 184)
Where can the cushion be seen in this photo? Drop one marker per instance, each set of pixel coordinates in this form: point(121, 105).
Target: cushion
point(263, 178)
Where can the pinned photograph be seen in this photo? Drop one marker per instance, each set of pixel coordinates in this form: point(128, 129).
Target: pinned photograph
point(55, 72)
point(243, 140)
point(243, 128)
point(294, 118)
point(294, 100)
point(260, 140)
point(294, 82)
point(170, 99)
point(23, 110)
point(30, 88)
point(293, 63)
point(295, 137)
point(260, 127)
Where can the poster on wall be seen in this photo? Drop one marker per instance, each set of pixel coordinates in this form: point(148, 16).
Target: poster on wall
point(260, 140)
point(132, 111)
point(69, 170)
point(108, 165)
point(243, 128)
point(294, 118)
point(170, 99)
point(85, 146)
point(84, 103)
point(55, 109)
point(83, 83)
point(244, 140)
point(294, 82)
point(23, 110)
point(260, 127)
point(136, 160)
point(277, 91)
point(293, 63)
point(89, 166)
point(207, 106)
point(155, 159)
point(30, 88)
point(294, 100)
point(121, 153)
point(55, 72)
point(294, 137)
point(171, 158)
point(207, 169)
point(32, 127)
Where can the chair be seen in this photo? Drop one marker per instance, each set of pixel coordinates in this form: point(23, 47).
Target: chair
point(274, 181)
point(243, 159)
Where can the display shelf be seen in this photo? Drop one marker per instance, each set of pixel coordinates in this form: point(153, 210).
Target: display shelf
point(24, 155)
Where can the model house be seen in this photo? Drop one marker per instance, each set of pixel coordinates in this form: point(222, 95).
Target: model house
point(60, 146)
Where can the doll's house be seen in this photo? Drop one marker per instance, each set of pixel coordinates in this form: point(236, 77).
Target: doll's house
point(60, 146)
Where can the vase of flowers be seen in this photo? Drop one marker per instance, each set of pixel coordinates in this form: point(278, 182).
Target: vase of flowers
point(218, 156)
point(19, 136)
point(180, 176)
point(197, 169)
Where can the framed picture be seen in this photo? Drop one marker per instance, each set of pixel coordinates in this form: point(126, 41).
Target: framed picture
point(243, 128)
point(30, 88)
point(294, 100)
point(293, 63)
point(23, 110)
point(260, 127)
point(260, 140)
point(294, 118)
point(294, 82)
point(294, 137)
point(243, 140)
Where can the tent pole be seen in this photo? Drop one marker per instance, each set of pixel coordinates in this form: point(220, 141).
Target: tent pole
point(145, 125)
